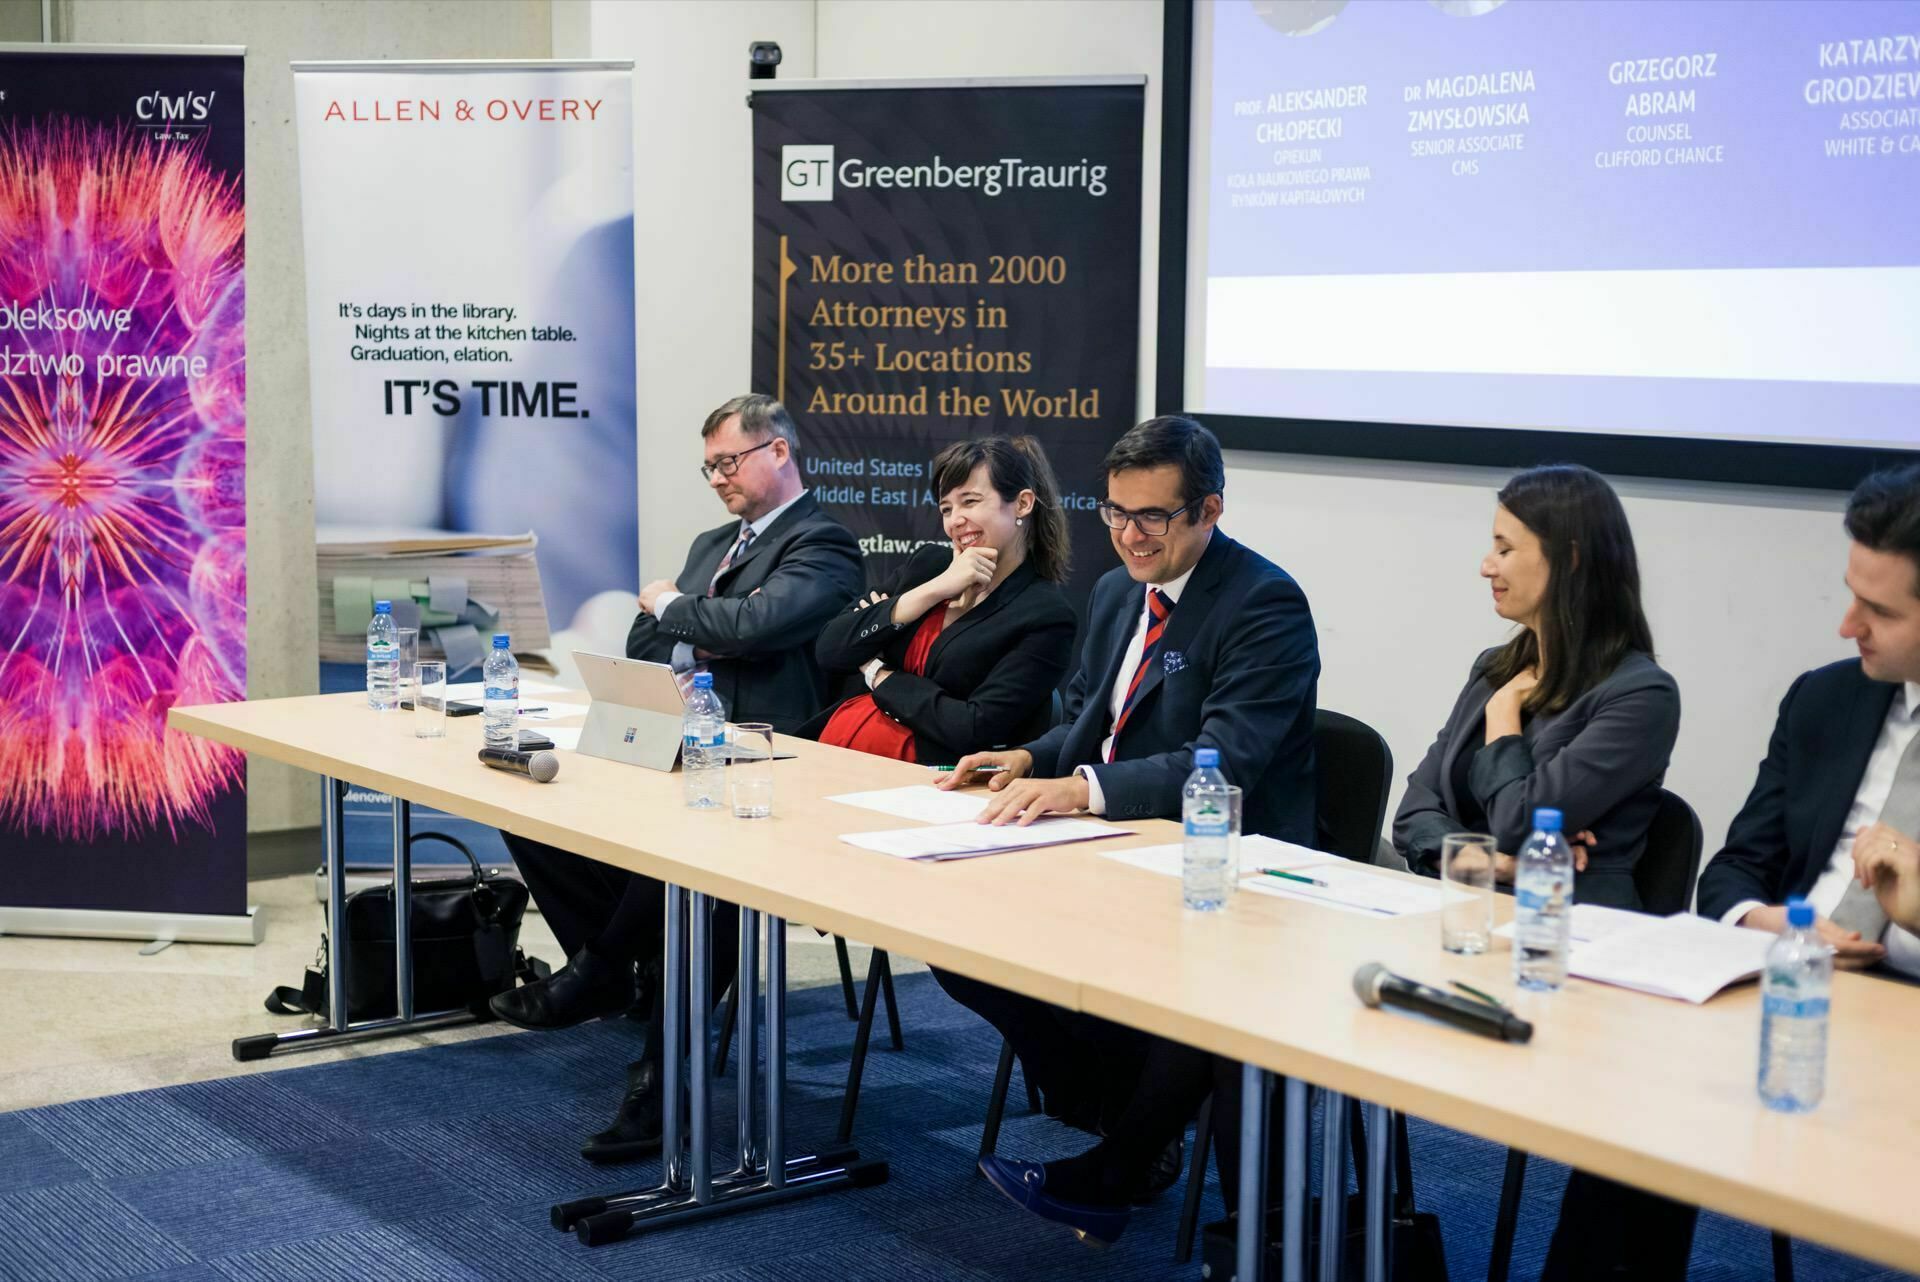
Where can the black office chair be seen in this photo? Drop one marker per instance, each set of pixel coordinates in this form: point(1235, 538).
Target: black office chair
point(1664, 878)
point(1353, 772)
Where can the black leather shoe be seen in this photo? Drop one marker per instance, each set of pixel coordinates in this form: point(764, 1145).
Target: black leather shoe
point(636, 1127)
point(1163, 1174)
point(587, 987)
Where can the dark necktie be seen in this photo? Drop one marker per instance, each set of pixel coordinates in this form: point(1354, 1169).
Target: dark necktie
point(739, 550)
point(1159, 607)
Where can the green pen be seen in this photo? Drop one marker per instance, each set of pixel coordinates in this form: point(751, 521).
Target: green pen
point(1471, 991)
point(1294, 876)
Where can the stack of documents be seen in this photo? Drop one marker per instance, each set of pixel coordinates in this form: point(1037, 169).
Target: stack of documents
point(954, 833)
point(457, 589)
point(1683, 956)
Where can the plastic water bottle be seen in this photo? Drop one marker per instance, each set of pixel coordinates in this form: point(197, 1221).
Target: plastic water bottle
point(1793, 1015)
point(500, 712)
point(1543, 905)
point(383, 659)
point(703, 746)
point(1207, 859)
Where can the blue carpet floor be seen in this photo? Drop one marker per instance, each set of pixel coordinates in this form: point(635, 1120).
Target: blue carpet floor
point(442, 1164)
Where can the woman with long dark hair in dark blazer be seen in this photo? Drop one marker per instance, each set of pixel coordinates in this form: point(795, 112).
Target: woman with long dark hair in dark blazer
point(962, 649)
point(1572, 713)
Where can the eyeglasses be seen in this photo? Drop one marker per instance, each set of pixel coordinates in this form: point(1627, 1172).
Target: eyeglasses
point(1151, 524)
point(728, 464)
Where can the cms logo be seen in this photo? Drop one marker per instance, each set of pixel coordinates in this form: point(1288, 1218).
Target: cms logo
point(171, 109)
point(806, 172)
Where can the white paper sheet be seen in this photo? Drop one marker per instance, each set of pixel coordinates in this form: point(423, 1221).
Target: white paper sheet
point(567, 737)
point(475, 691)
point(552, 711)
point(1354, 886)
point(1164, 860)
point(1682, 956)
point(1591, 922)
point(966, 840)
point(920, 802)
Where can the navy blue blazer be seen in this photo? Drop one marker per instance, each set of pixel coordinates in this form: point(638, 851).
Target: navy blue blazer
point(1237, 670)
point(1780, 842)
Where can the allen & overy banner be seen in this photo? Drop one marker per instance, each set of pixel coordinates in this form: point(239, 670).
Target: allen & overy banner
point(470, 310)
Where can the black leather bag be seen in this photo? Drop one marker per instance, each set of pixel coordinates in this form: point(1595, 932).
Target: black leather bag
point(466, 934)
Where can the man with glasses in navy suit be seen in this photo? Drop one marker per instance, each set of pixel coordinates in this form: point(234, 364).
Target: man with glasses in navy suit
point(1194, 641)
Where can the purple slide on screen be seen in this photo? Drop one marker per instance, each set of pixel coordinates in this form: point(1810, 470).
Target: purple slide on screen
point(1662, 217)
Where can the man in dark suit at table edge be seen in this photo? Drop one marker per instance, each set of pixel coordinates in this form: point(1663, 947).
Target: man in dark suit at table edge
point(1196, 641)
point(756, 593)
point(1835, 810)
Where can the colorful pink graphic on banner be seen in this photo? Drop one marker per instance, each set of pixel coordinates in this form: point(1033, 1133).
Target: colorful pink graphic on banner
point(122, 479)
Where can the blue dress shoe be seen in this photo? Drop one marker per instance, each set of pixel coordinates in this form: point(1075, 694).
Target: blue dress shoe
point(1025, 1183)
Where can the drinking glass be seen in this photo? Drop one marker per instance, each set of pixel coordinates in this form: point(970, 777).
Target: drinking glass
point(1466, 875)
point(408, 654)
point(429, 699)
point(750, 770)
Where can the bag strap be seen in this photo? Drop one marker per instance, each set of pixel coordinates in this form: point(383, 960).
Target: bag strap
point(457, 844)
point(288, 1001)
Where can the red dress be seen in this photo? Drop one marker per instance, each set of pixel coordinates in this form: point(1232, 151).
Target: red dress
point(859, 724)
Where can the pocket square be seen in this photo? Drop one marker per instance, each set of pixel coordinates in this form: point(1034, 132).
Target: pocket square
point(1173, 661)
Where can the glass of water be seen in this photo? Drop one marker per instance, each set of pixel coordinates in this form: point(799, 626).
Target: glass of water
point(750, 770)
point(1466, 875)
point(1210, 850)
point(429, 699)
point(409, 655)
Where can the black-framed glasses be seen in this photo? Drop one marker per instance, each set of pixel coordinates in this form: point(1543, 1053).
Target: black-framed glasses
point(1152, 523)
point(728, 464)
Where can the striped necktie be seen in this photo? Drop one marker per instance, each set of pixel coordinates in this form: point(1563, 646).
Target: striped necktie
point(1159, 607)
point(739, 549)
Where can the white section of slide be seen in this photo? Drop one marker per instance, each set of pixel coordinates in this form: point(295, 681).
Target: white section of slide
point(1834, 325)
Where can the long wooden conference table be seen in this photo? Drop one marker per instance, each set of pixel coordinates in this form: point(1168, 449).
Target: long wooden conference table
point(1653, 1092)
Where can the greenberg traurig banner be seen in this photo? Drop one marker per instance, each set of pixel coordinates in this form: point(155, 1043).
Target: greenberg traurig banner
point(938, 261)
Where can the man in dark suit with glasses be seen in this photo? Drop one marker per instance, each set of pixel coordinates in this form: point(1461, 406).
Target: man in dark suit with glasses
point(747, 608)
point(1195, 641)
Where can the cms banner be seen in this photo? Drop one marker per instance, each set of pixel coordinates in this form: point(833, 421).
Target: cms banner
point(122, 490)
point(936, 262)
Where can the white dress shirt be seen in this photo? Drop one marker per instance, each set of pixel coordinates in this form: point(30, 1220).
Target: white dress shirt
point(1117, 697)
point(1876, 785)
point(683, 650)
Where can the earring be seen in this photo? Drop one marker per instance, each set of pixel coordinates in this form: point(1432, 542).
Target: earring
point(1019, 520)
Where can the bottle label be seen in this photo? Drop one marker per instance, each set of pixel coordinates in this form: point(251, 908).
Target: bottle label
point(1529, 899)
point(1788, 1006)
point(495, 693)
point(379, 653)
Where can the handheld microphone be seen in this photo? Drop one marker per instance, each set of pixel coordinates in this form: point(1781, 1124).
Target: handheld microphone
point(1377, 986)
point(541, 767)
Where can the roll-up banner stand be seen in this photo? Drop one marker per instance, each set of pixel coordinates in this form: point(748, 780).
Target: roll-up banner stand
point(941, 260)
point(470, 316)
point(122, 490)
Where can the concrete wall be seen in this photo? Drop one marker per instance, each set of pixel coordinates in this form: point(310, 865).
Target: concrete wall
point(19, 20)
point(281, 654)
point(1742, 584)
